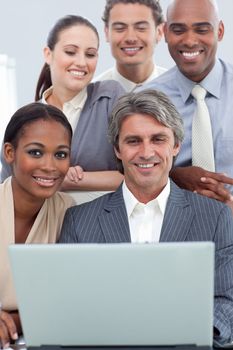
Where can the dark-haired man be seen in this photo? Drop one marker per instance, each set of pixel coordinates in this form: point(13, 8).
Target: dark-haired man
point(192, 31)
point(133, 28)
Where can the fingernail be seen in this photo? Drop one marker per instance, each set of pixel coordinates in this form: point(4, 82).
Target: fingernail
point(15, 336)
point(231, 198)
point(7, 345)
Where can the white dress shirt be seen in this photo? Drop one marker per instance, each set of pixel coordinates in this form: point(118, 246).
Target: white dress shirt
point(72, 109)
point(145, 220)
point(128, 85)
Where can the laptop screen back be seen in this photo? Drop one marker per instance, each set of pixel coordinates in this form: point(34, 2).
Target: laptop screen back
point(120, 294)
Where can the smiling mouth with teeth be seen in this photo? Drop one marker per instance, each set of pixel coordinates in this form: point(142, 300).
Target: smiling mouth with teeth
point(45, 181)
point(190, 55)
point(131, 49)
point(146, 166)
point(77, 73)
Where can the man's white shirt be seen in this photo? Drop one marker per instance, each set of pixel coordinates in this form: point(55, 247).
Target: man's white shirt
point(145, 220)
point(128, 85)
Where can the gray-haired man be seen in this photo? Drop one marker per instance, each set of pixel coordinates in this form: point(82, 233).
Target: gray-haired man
point(146, 131)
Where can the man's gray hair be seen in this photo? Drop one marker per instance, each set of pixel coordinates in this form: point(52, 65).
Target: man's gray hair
point(149, 102)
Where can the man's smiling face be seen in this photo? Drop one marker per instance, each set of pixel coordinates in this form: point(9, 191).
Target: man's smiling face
point(146, 149)
point(192, 33)
point(132, 33)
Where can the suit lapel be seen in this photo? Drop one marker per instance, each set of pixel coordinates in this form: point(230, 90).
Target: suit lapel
point(178, 217)
point(114, 221)
point(176, 224)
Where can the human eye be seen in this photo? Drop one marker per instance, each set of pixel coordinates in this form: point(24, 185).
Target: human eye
point(35, 153)
point(177, 29)
point(91, 54)
point(70, 52)
point(62, 155)
point(141, 27)
point(133, 141)
point(119, 27)
point(202, 30)
point(158, 139)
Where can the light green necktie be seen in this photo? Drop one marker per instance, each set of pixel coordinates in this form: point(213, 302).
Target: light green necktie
point(202, 140)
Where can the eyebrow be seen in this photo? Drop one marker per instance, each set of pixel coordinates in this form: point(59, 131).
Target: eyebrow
point(77, 47)
point(128, 137)
point(126, 24)
point(159, 134)
point(202, 24)
point(38, 144)
point(197, 24)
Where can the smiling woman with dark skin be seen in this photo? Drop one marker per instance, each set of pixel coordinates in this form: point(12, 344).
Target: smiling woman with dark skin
point(37, 146)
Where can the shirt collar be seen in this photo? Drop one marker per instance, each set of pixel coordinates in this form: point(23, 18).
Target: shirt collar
point(46, 94)
point(131, 201)
point(77, 102)
point(212, 82)
point(130, 85)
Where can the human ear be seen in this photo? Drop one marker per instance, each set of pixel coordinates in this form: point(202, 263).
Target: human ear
point(176, 149)
point(9, 152)
point(165, 31)
point(47, 55)
point(117, 152)
point(106, 31)
point(159, 32)
point(220, 31)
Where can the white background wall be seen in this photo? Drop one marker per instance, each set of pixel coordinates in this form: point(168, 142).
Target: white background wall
point(24, 25)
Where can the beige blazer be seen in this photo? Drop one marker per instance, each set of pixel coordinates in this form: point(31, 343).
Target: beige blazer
point(46, 229)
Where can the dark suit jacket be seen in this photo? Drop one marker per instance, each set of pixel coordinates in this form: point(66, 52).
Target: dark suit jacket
point(188, 217)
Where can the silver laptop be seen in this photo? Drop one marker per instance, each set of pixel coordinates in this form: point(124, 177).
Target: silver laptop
point(115, 294)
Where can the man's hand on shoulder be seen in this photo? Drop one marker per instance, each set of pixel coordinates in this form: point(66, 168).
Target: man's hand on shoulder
point(207, 183)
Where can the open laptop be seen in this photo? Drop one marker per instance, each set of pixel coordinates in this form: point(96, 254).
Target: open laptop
point(121, 295)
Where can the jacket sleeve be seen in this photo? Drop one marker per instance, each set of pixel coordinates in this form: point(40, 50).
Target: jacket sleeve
point(223, 304)
point(68, 230)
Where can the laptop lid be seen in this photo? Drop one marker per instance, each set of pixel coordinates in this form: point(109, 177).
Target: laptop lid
point(115, 294)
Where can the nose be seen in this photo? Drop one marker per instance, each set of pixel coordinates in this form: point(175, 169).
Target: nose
point(130, 36)
point(48, 163)
point(190, 39)
point(80, 59)
point(147, 151)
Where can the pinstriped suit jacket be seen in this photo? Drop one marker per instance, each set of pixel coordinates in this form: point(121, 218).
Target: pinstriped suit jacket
point(188, 217)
